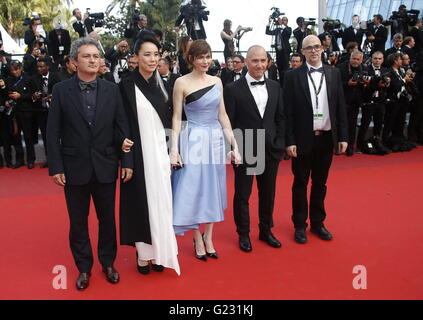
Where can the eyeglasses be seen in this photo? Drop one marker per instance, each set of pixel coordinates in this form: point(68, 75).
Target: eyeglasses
point(236, 62)
point(315, 47)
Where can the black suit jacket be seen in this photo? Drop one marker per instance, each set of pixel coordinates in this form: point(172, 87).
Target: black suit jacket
point(299, 108)
point(81, 27)
point(299, 35)
point(230, 76)
point(373, 87)
point(25, 87)
point(37, 85)
point(54, 44)
point(350, 36)
point(30, 38)
point(285, 35)
point(381, 36)
point(194, 34)
point(353, 94)
point(244, 114)
point(79, 150)
point(417, 34)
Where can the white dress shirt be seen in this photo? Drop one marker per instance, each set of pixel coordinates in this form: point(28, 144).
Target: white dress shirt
point(319, 123)
point(259, 93)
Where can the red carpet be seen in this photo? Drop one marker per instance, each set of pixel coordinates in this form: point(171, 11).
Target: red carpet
point(374, 209)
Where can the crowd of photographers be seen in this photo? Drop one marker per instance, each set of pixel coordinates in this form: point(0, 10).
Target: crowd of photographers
point(385, 85)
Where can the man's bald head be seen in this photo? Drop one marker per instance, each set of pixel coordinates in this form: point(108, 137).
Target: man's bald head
point(312, 50)
point(311, 40)
point(256, 62)
point(256, 49)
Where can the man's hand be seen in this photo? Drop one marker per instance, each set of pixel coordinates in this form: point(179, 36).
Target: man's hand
point(342, 147)
point(127, 145)
point(292, 151)
point(15, 95)
point(352, 83)
point(126, 174)
point(2, 84)
point(59, 179)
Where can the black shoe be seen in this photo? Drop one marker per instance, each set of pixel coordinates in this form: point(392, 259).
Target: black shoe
point(322, 233)
point(157, 267)
point(209, 254)
point(245, 243)
point(350, 151)
point(44, 165)
point(198, 256)
point(300, 236)
point(31, 165)
point(112, 275)
point(18, 165)
point(83, 281)
point(144, 269)
point(270, 239)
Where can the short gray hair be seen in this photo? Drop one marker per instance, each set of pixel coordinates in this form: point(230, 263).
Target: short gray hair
point(143, 17)
point(357, 53)
point(77, 44)
point(398, 36)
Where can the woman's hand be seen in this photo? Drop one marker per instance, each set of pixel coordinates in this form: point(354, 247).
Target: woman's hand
point(176, 160)
point(235, 157)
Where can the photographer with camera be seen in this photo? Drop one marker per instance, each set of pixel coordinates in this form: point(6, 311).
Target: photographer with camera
point(228, 38)
point(193, 15)
point(59, 44)
point(35, 32)
point(4, 64)
point(278, 27)
point(326, 40)
point(417, 33)
point(377, 34)
point(42, 87)
point(354, 33)
point(302, 31)
point(397, 42)
point(353, 75)
point(137, 26)
point(165, 73)
point(9, 133)
point(333, 27)
point(118, 58)
point(396, 109)
point(19, 100)
point(83, 25)
point(373, 107)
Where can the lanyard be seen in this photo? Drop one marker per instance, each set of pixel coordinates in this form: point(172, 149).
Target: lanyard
point(17, 83)
point(317, 92)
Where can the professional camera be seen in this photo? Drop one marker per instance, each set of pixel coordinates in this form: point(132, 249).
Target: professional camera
point(330, 25)
point(310, 22)
point(276, 14)
point(97, 18)
point(43, 95)
point(408, 17)
point(193, 10)
point(360, 77)
point(246, 29)
point(8, 110)
point(215, 68)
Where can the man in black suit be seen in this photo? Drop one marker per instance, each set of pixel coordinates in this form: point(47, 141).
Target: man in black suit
point(59, 44)
point(42, 88)
point(282, 34)
point(397, 47)
point(316, 125)
point(193, 15)
point(35, 32)
point(301, 32)
point(254, 105)
point(167, 76)
point(417, 33)
point(353, 33)
point(238, 72)
point(377, 34)
point(83, 25)
point(86, 127)
point(135, 31)
point(118, 58)
point(68, 69)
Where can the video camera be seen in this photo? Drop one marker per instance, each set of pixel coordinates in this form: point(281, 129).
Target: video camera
point(96, 19)
point(276, 14)
point(310, 22)
point(193, 10)
point(331, 25)
point(409, 17)
point(215, 68)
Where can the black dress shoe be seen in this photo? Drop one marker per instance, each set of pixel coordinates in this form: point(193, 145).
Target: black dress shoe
point(142, 269)
point(209, 254)
point(111, 274)
point(157, 267)
point(350, 151)
point(270, 240)
point(9, 165)
point(300, 236)
point(322, 233)
point(83, 281)
point(31, 165)
point(18, 165)
point(199, 256)
point(245, 243)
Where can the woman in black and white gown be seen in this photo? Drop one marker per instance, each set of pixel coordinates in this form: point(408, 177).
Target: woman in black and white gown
point(146, 200)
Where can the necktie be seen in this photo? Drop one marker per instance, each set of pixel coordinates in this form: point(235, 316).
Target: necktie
point(257, 83)
point(320, 70)
point(88, 85)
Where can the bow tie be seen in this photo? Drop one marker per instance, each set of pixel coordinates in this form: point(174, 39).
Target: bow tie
point(88, 85)
point(377, 69)
point(257, 83)
point(317, 70)
point(238, 73)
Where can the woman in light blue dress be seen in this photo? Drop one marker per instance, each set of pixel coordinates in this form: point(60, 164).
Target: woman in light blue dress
point(198, 154)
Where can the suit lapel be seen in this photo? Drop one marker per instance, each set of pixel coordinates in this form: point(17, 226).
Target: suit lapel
point(75, 97)
point(304, 84)
point(250, 96)
point(100, 100)
point(329, 81)
point(270, 98)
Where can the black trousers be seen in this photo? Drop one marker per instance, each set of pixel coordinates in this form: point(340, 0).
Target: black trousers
point(415, 127)
point(352, 114)
point(78, 203)
point(316, 164)
point(26, 122)
point(266, 185)
point(375, 112)
point(42, 117)
point(395, 117)
point(9, 140)
point(282, 60)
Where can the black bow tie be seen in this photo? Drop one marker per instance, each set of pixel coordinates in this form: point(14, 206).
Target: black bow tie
point(257, 83)
point(87, 85)
point(317, 70)
point(377, 69)
point(238, 73)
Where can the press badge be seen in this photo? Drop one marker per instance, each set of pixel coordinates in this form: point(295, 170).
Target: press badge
point(318, 117)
